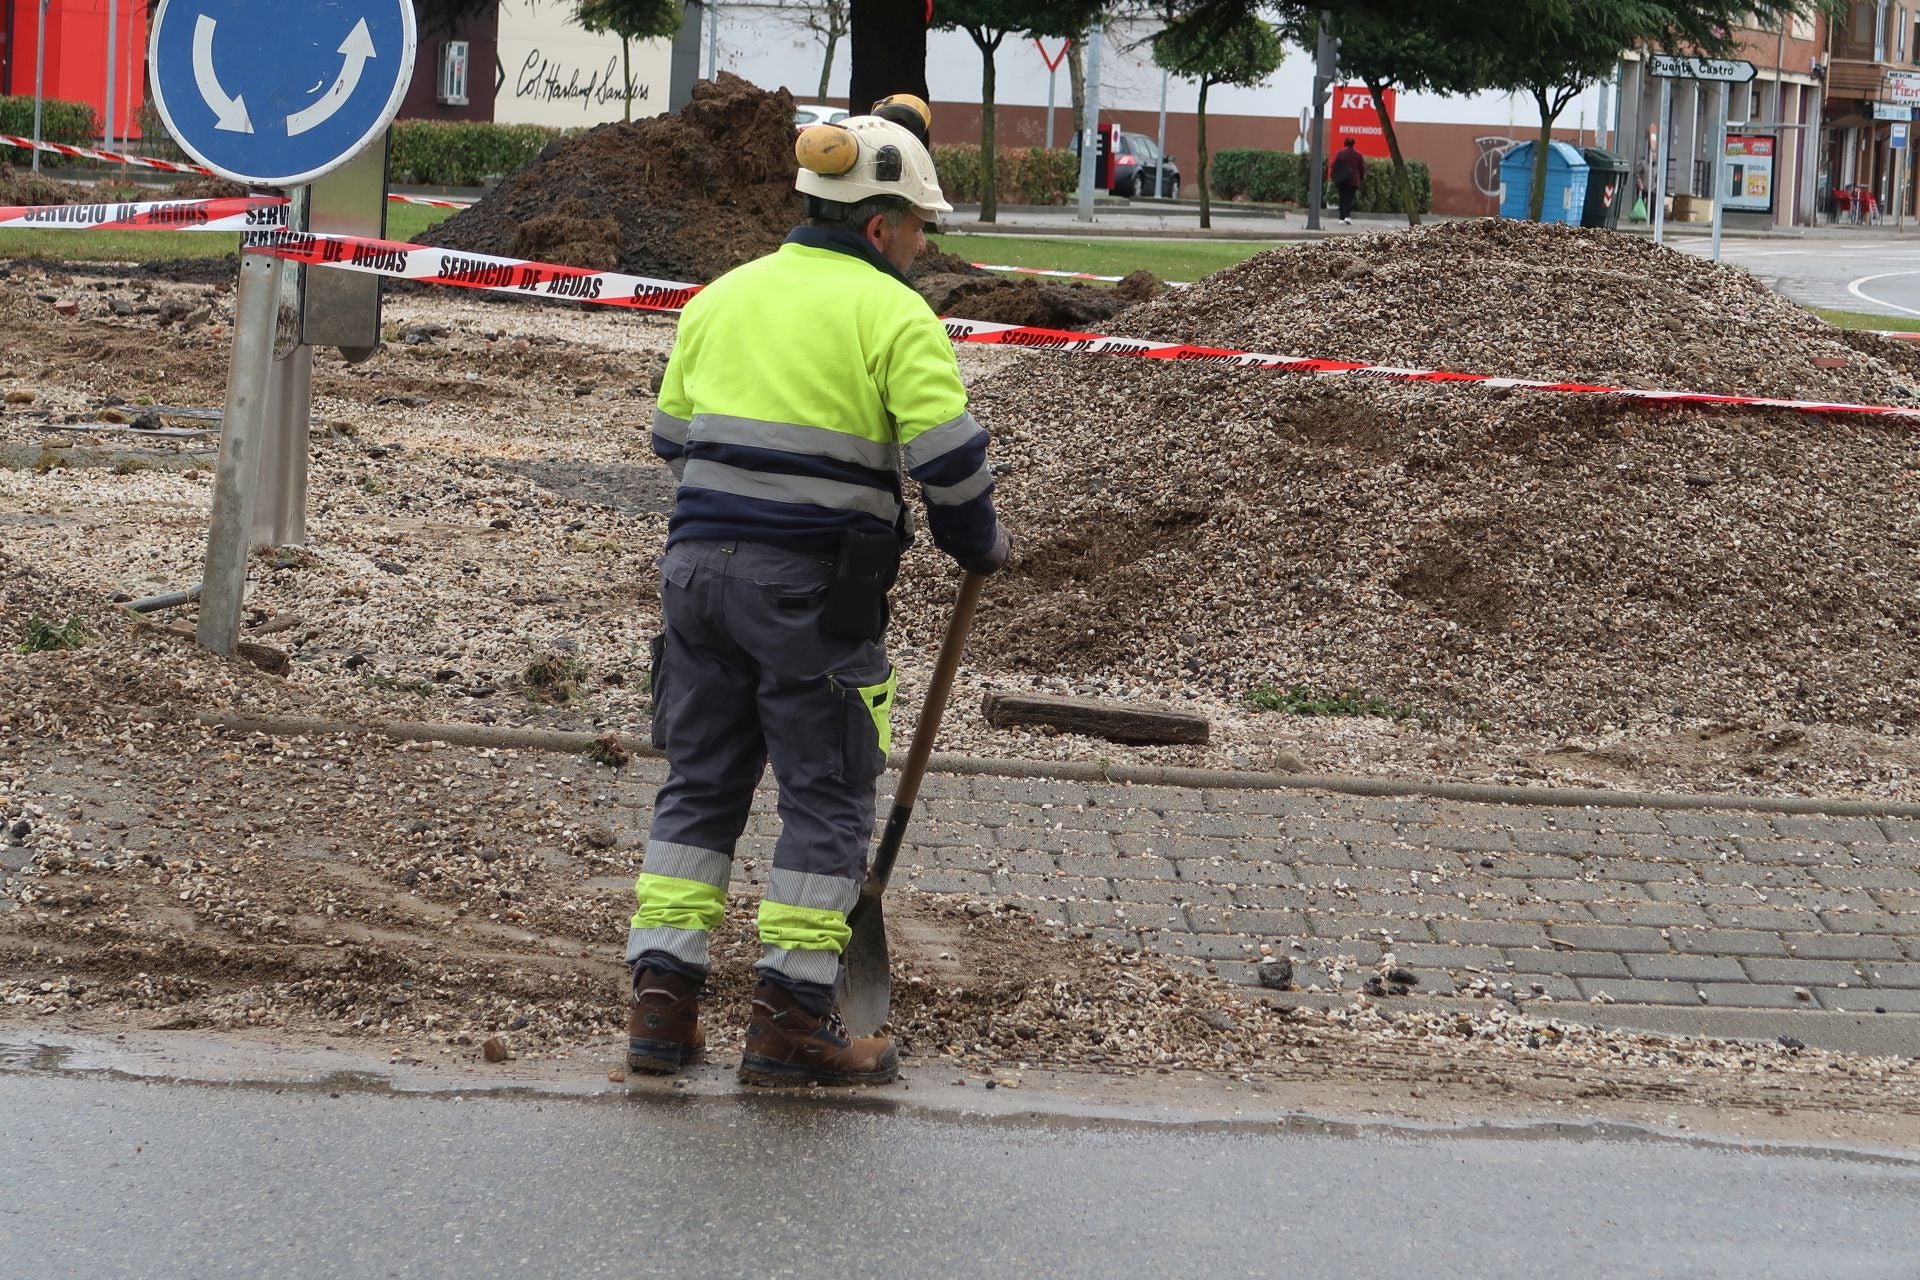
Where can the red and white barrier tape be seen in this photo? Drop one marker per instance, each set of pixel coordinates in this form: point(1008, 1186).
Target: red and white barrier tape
point(169, 166)
point(434, 201)
point(260, 216)
point(111, 157)
point(429, 265)
point(610, 288)
point(1065, 275)
point(226, 213)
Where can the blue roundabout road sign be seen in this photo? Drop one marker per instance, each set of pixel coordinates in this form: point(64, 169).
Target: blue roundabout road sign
point(278, 92)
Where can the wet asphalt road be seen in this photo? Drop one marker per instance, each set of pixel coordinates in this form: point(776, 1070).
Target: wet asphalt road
point(102, 1177)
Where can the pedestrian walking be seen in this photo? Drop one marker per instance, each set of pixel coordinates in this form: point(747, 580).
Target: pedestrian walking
point(1349, 175)
point(800, 387)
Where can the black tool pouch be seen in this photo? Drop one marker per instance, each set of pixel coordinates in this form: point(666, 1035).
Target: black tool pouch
point(856, 606)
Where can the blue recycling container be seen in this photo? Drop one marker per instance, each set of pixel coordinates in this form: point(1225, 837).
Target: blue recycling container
point(1566, 183)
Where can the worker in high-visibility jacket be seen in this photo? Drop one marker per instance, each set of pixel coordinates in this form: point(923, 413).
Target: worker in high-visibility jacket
point(800, 388)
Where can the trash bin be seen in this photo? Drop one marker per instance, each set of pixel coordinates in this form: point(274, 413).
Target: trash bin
point(1566, 183)
point(1607, 188)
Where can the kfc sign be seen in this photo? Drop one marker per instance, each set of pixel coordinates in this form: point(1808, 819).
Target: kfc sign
point(1354, 117)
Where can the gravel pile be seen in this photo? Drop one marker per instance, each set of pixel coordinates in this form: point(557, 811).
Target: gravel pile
point(1491, 558)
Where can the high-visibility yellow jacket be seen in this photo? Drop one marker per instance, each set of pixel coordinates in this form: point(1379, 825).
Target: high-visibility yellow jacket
point(801, 385)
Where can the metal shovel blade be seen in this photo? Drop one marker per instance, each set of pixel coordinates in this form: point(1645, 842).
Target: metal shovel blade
point(866, 974)
point(866, 981)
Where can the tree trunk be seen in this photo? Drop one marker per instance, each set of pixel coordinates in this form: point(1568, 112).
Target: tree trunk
point(826, 63)
point(889, 50)
point(1206, 199)
point(1402, 178)
point(989, 196)
point(1537, 198)
point(1077, 87)
point(626, 73)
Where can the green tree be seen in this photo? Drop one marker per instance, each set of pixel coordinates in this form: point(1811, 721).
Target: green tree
point(1410, 49)
point(1243, 53)
point(988, 23)
point(630, 20)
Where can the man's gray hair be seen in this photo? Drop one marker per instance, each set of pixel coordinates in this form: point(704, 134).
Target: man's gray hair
point(854, 217)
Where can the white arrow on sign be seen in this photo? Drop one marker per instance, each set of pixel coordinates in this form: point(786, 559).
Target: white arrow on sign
point(229, 113)
point(1720, 70)
point(356, 49)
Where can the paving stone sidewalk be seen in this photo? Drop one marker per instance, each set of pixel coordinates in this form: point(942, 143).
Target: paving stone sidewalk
point(1734, 910)
point(1635, 906)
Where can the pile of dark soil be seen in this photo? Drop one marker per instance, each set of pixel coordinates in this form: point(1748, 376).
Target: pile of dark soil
point(676, 197)
point(24, 186)
point(687, 197)
point(1508, 558)
point(953, 286)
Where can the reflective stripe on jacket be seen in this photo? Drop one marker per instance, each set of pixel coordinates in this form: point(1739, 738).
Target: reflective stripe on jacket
point(801, 384)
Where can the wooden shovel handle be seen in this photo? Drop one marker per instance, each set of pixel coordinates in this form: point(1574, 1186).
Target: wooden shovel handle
point(924, 733)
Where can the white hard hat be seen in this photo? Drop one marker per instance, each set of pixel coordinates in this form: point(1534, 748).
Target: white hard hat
point(864, 156)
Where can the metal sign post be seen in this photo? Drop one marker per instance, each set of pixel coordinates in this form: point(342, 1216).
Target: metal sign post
point(1053, 61)
point(1724, 72)
point(278, 93)
point(1897, 141)
point(1658, 163)
point(39, 80)
point(1720, 169)
point(1090, 128)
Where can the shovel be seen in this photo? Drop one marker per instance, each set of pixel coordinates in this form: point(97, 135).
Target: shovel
point(866, 983)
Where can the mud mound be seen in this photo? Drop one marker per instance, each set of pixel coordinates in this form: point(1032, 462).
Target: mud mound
point(205, 187)
point(688, 196)
point(24, 186)
point(985, 296)
point(1508, 558)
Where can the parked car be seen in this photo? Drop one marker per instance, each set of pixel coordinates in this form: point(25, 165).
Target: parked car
point(1139, 169)
point(806, 113)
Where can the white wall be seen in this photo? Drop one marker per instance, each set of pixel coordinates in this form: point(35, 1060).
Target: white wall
point(755, 45)
point(554, 72)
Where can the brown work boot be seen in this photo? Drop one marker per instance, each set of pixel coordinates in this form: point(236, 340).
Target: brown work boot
point(788, 1046)
point(663, 1023)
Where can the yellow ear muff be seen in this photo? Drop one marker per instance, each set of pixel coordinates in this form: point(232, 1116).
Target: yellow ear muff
point(916, 105)
point(826, 149)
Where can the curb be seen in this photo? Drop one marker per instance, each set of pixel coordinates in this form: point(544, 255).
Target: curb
point(1880, 1035)
point(579, 742)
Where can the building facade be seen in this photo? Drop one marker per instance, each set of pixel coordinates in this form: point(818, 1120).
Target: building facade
point(1873, 85)
point(1774, 137)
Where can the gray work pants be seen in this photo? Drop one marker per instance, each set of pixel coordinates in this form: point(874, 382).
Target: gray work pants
point(743, 675)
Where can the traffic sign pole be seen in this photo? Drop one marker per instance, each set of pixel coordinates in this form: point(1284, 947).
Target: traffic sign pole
point(1663, 133)
point(1720, 167)
point(278, 93)
point(256, 306)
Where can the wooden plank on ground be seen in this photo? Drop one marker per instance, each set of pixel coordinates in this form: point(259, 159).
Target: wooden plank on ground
point(1138, 723)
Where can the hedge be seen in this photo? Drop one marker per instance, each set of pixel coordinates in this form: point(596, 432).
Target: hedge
point(1280, 177)
point(452, 153)
point(1025, 175)
point(70, 122)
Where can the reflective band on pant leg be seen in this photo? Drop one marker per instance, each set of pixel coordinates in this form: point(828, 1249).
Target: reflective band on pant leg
point(803, 924)
point(683, 895)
